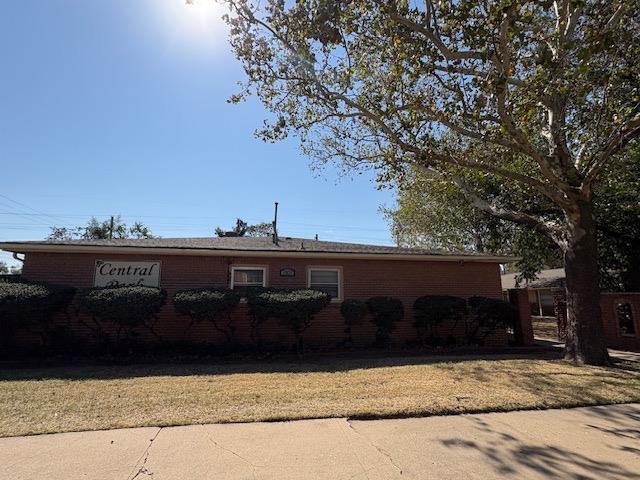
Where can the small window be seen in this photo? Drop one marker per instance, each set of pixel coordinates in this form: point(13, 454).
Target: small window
point(326, 280)
point(244, 279)
point(626, 324)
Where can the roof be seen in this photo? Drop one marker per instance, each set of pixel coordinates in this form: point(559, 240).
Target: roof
point(249, 246)
point(552, 278)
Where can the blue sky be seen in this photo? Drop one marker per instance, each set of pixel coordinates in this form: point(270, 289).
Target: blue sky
point(119, 107)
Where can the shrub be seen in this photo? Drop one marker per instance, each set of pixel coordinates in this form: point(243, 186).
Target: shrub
point(126, 307)
point(24, 304)
point(431, 311)
point(487, 316)
point(292, 308)
point(212, 304)
point(353, 312)
point(385, 312)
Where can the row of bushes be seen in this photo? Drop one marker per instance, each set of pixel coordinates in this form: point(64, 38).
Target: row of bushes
point(129, 308)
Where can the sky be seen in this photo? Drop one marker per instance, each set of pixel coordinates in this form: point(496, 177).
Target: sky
point(119, 107)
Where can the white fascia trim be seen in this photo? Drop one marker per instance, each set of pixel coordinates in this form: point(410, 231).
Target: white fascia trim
point(27, 248)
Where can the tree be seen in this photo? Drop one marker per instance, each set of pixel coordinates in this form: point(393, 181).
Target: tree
point(243, 229)
point(552, 87)
point(6, 269)
point(430, 213)
point(101, 230)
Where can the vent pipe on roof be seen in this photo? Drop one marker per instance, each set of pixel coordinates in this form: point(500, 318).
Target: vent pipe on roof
point(275, 225)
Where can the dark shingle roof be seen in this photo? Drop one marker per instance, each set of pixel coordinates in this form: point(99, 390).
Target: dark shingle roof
point(552, 278)
point(243, 244)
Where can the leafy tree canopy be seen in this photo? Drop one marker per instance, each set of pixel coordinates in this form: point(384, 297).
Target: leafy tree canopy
point(100, 230)
point(545, 94)
point(431, 213)
point(243, 229)
point(6, 269)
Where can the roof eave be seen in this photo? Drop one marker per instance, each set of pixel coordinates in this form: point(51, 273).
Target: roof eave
point(205, 252)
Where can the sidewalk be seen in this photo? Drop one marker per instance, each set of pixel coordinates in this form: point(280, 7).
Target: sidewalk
point(586, 443)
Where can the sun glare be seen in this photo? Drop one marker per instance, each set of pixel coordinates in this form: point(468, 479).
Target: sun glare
point(196, 23)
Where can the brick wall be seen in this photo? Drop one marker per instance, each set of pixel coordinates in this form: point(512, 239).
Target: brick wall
point(362, 279)
point(615, 339)
point(608, 303)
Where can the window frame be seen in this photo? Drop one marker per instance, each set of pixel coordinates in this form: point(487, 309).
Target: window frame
point(265, 274)
point(337, 269)
point(634, 318)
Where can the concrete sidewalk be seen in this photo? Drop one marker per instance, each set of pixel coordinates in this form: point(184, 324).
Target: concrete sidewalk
point(585, 443)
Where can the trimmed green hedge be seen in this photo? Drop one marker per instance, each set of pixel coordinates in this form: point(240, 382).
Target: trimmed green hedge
point(430, 311)
point(211, 304)
point(24, 304)
point(126, 307)
point(385, 313)
point(487, 316)
point(353, 312)
point(292, 308)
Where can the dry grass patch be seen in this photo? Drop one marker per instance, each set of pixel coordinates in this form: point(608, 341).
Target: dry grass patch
point(545, 328)
point(90, 398)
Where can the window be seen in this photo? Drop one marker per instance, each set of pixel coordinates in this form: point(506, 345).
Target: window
point(243, 279)
point(326, 279)
point(626, 324)
point(546, 303)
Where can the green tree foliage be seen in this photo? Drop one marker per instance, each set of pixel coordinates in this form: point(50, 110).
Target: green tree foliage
point(431, 213)
point(243, 229)
point(431, 311)
point(353, 312)
point(292, 308)
point(385, 313)
point(211, 304)
point(30, 305)
point(550, 87)
point(127, 308)
point(101, 230)
point(9, 270)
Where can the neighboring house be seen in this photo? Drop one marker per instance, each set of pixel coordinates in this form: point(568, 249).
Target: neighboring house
point(620, 310)
point(344, 270)
point(540, 290)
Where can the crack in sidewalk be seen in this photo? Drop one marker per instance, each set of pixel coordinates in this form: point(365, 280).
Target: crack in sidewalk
point(143, 470)
point(378, 448)
point(235, 454)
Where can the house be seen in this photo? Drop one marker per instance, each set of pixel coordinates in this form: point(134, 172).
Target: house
point(540, 290)
point(344, 270)
point(620, 310)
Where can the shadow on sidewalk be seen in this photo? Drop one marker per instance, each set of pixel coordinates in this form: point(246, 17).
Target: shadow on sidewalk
point(512, 456)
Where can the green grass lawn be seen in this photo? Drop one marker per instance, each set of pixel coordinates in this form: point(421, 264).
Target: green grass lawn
point(89, 398)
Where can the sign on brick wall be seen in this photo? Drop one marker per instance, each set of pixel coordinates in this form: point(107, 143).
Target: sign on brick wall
point(109, 273)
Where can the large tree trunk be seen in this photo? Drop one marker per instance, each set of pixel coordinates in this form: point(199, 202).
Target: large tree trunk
point(585, 342)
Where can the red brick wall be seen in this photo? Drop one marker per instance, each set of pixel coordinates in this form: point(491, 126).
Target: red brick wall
point(362, 279)
point(608, 303)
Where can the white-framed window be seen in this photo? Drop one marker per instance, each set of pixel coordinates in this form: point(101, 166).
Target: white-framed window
point(245, 278)
point(326, 279)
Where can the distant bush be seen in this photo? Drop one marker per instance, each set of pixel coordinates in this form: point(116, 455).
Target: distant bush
point(488, 315)
point(30, 305)
point(126, 307)
point(353, 312)
point(292, 308)
point(385, 313)
point(432, 311)
point(212, 304)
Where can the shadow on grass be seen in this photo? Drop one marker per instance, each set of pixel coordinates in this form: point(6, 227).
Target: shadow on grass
point(514, 457)
point(322, 364)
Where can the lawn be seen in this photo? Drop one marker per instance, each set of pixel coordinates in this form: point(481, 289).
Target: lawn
point(545, 328)
point(88, 398)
